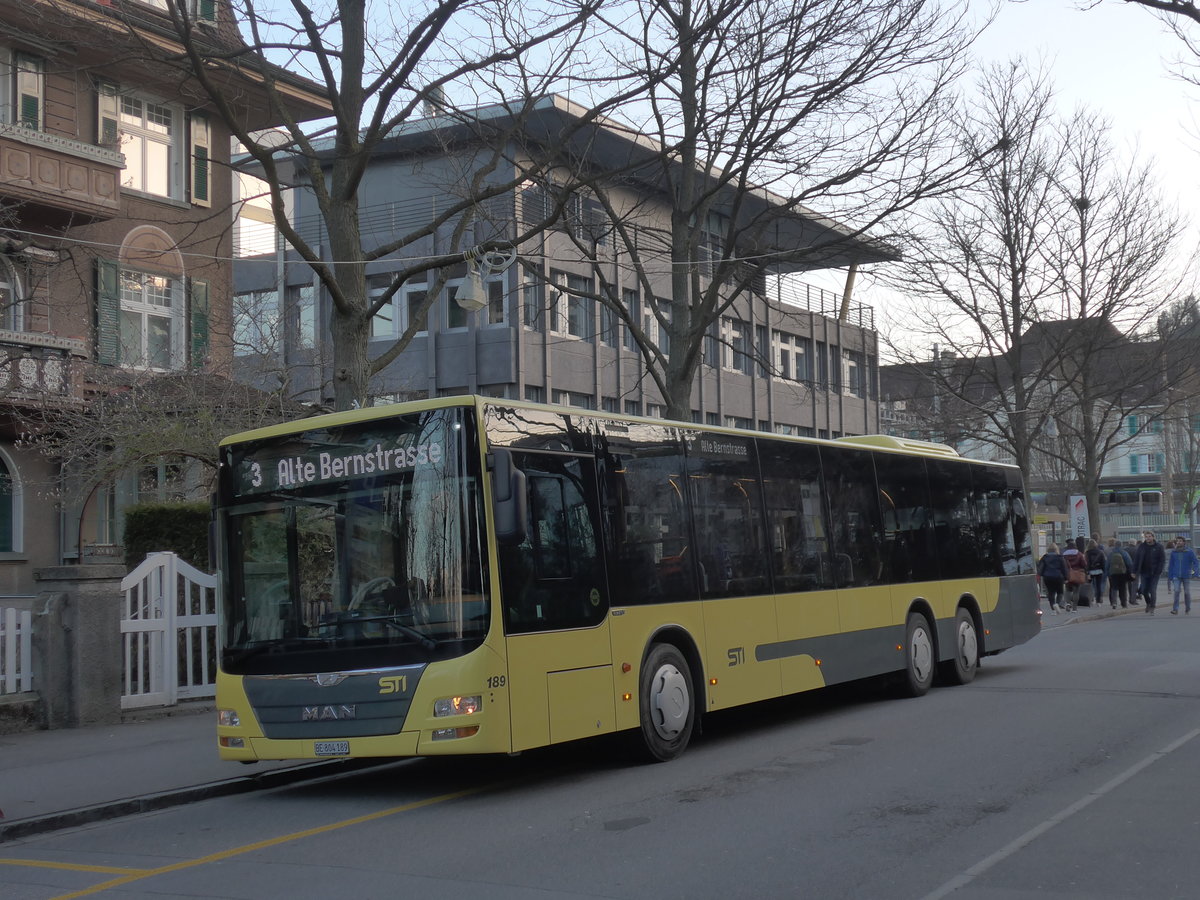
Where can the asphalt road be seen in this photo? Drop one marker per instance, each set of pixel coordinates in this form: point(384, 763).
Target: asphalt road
point(1068, 769)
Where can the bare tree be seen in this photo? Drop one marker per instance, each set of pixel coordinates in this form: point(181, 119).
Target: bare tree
point(1044, 275)
point(380, 75)
point(1113, 258)
point(976, 277)
point(136, 419)
point(754, 111)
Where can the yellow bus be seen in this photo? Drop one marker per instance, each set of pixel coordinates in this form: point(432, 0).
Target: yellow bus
point(471, 575)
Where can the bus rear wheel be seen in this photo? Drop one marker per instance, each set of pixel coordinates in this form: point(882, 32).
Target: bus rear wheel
point(667, 707)
point(919, 657)
point(962, 667)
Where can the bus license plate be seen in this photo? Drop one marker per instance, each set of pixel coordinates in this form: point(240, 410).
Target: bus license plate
point(331, 748)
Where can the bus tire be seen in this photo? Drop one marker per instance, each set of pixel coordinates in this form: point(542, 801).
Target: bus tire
point(920, 657)
point(666, 703)
point(961, 668)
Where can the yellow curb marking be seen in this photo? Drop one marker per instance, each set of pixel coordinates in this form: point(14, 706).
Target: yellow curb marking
point(138, 875)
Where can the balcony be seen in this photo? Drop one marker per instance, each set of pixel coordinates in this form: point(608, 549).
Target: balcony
point(37, 368)
point(59, 176)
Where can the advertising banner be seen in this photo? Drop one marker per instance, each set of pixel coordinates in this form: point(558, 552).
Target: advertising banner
point(1079, 523)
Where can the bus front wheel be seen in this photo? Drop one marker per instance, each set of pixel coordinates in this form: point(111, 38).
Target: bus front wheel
point(919, 656)
point(965, 663)
point(668, 710)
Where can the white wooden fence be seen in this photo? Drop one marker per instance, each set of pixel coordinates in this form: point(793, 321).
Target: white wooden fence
point(168, 632)
point(16, 650)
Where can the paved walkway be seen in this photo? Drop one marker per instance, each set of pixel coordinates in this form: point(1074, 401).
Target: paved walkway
point(71, 776)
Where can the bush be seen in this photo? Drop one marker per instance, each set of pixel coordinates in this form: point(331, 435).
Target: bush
point(180, 527)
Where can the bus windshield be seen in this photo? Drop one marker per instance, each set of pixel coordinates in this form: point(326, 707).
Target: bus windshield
point(354, 547)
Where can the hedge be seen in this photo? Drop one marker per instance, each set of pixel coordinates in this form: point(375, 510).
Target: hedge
point(181, 527)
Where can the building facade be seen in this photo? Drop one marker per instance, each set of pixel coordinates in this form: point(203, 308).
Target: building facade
point(784, 357)
point(115, 241)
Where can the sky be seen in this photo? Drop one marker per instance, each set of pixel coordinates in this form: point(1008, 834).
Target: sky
point(1116, 58)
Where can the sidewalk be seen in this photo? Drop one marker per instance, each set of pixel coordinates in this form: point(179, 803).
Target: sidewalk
point(58, 779)
point(1087, 613)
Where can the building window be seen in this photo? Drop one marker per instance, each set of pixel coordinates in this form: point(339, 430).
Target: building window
point(497, 312)
point(610, 404)
point(737, 422)
point(151, 320)
point(12, 317)
point(535, 393)
point(28, 92)
point(149, 140)
point(633, 309)
point(11, 513)
point(256, 323)
point(735, 349)
point(533, 299)
point(574, 398)
point(856, 371)
point(633, 408)
point(22, 90)
point(302, 313)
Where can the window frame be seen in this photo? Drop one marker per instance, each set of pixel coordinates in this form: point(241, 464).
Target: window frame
point(144, 135)
point(146, 309)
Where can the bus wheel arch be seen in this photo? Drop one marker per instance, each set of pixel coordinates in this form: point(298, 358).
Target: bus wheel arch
point(920, 651)
point(670, 695)
point(966, 645)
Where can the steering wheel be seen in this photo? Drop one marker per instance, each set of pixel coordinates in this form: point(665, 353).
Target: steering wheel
point(383, 582)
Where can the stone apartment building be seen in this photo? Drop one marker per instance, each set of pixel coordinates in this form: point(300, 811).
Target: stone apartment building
point(115, 236)
point(786, 357)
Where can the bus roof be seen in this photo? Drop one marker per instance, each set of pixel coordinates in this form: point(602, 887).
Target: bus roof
point(371, 413)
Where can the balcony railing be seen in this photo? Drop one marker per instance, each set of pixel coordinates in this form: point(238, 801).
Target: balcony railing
point(37, 367)
point(58, 173)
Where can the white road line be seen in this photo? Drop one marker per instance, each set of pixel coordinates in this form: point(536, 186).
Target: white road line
point(1058, 818)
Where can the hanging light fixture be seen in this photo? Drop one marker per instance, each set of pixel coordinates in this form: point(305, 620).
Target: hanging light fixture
point(472, 293)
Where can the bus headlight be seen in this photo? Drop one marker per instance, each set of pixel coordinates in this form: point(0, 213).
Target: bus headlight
point(457, 706)
point(228, 718)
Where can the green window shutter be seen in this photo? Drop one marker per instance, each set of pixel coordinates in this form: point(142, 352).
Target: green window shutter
point(1132, 422)
point(199, 322)
point(206, 10)
point(29, 91)
point(1133, 464)
point(108, 129)
point(1160, 462)
point(108, 312)
point(201, 160)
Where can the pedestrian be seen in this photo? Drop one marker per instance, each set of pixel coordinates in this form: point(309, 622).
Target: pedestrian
point(1119, 569)
point(1052, 569)
point(1148, 565)
point(1182, 567)
point(1076, 573)
point(1093, 558)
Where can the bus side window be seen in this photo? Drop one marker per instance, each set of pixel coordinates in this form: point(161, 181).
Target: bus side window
point(553, 579)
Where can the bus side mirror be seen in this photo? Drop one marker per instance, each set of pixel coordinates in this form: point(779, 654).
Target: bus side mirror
point(508, 498)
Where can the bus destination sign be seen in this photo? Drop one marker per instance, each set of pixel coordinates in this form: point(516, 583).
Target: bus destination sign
point(272, 470)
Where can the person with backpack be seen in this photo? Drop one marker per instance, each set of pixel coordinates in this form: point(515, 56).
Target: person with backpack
point(1119, 569)
point(1093, 559)
point(1052, 569)
point(1077, 575)
point(1182, 566)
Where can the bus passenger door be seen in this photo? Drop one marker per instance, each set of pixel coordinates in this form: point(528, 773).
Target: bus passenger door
point(555, 600)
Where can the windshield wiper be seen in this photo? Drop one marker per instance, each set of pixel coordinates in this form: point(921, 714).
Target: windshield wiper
point(256, 648)
point(407, 630)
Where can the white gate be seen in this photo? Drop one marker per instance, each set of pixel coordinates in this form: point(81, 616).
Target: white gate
point(168, 632)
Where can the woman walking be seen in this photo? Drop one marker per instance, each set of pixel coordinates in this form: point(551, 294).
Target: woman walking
point(1053, 571)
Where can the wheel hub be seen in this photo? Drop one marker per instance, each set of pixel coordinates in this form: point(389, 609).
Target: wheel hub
point(670, 702)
